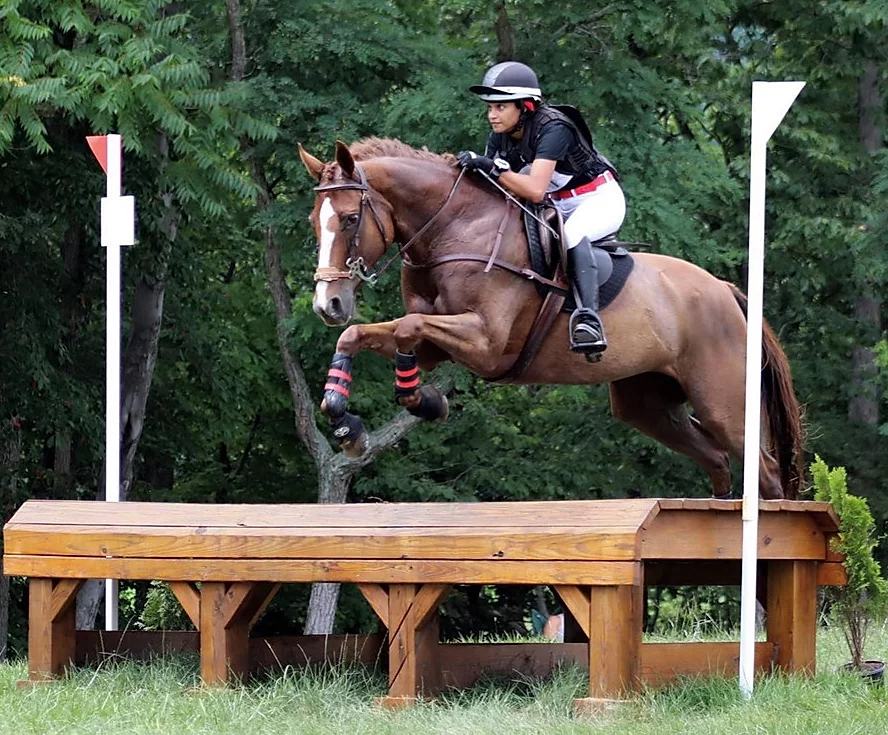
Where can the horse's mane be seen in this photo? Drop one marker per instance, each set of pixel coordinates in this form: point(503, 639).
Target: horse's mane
point(374, 147)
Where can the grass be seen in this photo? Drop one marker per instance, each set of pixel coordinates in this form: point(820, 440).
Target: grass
point(163, 697)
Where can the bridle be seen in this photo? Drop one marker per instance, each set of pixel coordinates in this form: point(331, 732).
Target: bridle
point(357, 269)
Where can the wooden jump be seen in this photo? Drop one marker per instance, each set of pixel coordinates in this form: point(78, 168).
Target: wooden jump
point(597, 555)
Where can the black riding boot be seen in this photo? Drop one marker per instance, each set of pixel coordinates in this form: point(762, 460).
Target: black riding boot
point(586, 329)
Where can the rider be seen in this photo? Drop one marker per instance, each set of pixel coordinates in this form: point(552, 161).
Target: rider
point(535, 149)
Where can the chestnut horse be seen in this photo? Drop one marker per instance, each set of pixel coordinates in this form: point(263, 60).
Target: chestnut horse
point(677, 334)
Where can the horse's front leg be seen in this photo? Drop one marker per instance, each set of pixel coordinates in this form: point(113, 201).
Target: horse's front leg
point(462, 337)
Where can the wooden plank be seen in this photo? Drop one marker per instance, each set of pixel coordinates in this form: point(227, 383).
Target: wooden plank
point(686, 534)
point(831, 574)
point(591, 513)
point(464, 664)
point(266, 653)
point(378, 599)
point(64, 594)
point(189, 598)
point(662, 663)
point(792, 614)
point(576, 599)
point(197, 542)
point(338, 570)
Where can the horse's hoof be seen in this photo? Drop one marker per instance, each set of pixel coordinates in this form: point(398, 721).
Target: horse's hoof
point(432, 404)
point(351, 435)
point(355, 448)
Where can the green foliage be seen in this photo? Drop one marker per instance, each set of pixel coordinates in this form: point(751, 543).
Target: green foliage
point(665, 88)
point(162, 610)
point(865, 597)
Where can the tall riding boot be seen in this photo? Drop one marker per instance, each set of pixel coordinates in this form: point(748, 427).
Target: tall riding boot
point(586, 329)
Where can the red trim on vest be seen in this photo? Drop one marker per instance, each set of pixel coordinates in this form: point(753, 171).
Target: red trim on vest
point(338, 388)
point(336, 373)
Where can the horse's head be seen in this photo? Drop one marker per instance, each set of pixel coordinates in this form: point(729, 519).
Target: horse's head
point(353, 226)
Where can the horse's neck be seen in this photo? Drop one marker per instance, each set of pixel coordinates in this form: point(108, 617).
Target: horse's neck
point(419, 190)
point(405, 186)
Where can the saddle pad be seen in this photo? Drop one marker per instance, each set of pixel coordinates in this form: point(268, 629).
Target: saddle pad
point(620, 266)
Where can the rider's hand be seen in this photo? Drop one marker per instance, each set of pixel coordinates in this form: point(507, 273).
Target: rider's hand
point(471, 161)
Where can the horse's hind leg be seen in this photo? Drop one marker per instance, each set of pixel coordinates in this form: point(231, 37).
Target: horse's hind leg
point(655, 404)
point(720, 410)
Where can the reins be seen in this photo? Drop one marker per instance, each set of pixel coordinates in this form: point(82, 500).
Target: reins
point(356, 267)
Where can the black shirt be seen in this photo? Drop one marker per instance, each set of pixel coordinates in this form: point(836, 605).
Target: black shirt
point(555, 141)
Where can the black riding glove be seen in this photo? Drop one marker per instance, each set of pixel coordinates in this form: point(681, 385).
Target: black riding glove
point(471, 161)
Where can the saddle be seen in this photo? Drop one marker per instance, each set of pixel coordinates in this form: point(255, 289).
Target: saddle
point(548, 261)
point(548, 256)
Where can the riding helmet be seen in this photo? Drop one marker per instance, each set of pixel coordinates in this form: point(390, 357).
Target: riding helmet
point(510, 80)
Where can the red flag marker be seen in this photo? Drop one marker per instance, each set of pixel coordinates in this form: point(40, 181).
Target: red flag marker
point(99, 146)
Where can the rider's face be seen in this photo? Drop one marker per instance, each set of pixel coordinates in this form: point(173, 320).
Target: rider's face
point(503, 116)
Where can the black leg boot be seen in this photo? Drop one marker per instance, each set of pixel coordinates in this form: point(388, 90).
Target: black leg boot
point(586, 329)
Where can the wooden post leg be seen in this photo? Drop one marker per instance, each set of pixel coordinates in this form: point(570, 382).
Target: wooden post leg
point(792, 614)
point(413, 639)
point(213, 641)
point(227, 612)
point(51, 623)
point(615, 627)
point(402, 647)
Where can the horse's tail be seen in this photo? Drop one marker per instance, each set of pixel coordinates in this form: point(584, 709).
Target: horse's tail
point(782, 411)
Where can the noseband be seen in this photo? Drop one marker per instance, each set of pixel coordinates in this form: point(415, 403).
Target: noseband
point(356, 266)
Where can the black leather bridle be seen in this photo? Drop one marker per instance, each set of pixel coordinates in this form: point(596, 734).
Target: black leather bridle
point(357, 269)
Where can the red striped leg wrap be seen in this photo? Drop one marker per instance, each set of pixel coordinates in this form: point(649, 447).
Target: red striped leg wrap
point(336, 388)
point(406, 374)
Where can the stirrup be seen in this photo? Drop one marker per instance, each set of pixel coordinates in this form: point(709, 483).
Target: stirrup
point(588, 322)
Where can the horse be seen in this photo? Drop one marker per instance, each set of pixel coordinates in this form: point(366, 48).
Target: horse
point(677, 334)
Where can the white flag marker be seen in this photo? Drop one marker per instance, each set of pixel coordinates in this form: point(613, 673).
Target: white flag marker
point(117, 229)
point(770, 102)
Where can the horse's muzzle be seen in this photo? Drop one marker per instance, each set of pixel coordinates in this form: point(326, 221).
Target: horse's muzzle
point(335, 309)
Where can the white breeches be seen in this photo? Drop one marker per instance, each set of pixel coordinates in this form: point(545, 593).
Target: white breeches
point(594, 215)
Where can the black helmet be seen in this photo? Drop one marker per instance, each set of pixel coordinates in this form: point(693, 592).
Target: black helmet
point(508, 81)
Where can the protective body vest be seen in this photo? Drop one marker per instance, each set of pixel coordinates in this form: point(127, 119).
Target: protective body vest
point(582, 160)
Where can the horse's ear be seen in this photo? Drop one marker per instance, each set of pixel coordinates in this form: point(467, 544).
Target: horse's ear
point(344, 159)
point(313, 165)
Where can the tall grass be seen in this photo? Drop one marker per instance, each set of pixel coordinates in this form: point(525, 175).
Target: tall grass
point(163, 696)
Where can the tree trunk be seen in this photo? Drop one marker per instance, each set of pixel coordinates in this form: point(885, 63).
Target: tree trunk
point(72, 258)
point(10, 453)
point(335, 470)
point(505, 35)
point(863, 407)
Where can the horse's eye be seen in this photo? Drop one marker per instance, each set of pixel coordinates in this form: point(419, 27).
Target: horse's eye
point(348, 220)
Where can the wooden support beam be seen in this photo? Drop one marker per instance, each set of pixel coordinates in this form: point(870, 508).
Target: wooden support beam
point(576, 600)
point(64, 595)
point(51, 634)
point(792, 614)
point(402, 647)
point(189, 598)
point(615, 626)
point(376, 595)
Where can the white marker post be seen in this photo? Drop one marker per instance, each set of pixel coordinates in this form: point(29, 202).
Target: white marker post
point(770, 102)
point(117, 229)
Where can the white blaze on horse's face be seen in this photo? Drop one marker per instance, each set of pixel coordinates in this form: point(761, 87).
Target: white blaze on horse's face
point(333, 300)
